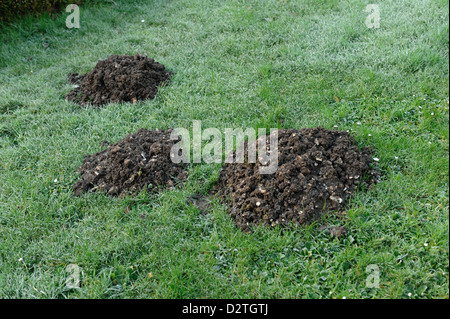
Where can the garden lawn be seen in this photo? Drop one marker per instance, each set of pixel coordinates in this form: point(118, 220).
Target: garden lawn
point(238, 64)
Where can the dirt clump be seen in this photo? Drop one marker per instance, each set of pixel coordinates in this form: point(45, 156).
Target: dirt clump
point(318, 170)
point(139, 161)
point(202, 203)
point(118, 79)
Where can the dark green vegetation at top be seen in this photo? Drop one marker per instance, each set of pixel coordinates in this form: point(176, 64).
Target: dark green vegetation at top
point(11, 10)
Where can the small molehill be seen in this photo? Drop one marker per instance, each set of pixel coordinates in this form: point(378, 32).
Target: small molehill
point(118, 79)
point(318, 171)
point(139, 161)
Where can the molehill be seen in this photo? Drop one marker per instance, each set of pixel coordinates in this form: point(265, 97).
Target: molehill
point(118, 79)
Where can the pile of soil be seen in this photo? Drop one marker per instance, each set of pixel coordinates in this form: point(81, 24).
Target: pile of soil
point(318, 170)
point(118, 79)
point(141, 160)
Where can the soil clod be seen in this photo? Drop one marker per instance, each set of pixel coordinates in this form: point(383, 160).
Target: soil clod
point(201, 202)
point(338, 231)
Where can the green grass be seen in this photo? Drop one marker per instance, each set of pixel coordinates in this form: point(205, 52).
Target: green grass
point(252, 63)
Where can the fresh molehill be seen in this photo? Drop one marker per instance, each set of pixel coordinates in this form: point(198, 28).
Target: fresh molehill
point(118, 79)
point(139, 161)
point(318, 171)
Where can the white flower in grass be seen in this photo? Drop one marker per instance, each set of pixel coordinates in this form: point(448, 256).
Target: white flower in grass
point(20, 259)
point(142, 21)
point(409, 294)
point(370, 134)
point(376, 159)
point(425, 244)
point(396, 158)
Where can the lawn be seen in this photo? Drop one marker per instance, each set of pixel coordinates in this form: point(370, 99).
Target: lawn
point(238, 64)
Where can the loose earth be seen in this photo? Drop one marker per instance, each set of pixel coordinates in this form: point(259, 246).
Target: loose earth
point(318, 171)
point(118, 79)
point(139, 161)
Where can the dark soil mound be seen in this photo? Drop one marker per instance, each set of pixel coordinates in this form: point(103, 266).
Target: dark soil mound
point(141, 160)
point(318, 170)
point(118, 79)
